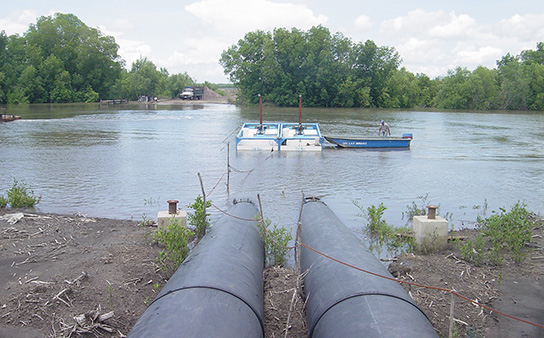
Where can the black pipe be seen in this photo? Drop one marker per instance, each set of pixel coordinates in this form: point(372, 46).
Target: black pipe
point(218, 290)
point(344, 302)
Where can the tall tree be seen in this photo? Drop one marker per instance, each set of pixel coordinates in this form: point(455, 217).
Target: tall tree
point(455, 92)
point(89, 58)
point(374, 65)
point(512, 84)
point(244, 63)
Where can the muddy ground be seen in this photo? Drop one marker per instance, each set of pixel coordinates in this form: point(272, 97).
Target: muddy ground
point(74, 275)
point(514, 289)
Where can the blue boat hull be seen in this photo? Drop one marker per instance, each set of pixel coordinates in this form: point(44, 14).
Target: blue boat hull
point(371, 142)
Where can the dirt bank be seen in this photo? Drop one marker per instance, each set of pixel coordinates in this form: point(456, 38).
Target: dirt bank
point(209, 96)
point(82, 276)
point(75, 275)
point(515, 289)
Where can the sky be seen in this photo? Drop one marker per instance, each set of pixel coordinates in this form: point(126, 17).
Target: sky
point(431, 36)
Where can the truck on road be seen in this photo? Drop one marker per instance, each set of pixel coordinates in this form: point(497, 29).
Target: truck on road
point(192, 93)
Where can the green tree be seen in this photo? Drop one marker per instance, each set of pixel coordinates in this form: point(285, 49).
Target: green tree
point(175, 84)
point(483, 87)
point(427, 90)
point(244, 63)
point(533, 74)
point(56, 79)
point(534, 56)
point(374, 65)
point(89, 59)
point(327, 70)
point(454, 91)
point(403, 90)
point(31, 84)
point(142, 79)
point(513, 87)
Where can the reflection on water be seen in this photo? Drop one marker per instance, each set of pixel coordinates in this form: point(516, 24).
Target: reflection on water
point(125, 161)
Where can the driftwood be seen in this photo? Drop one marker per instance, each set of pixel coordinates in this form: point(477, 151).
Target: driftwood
point(89, 322)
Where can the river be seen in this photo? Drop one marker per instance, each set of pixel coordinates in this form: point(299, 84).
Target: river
point(126, 161)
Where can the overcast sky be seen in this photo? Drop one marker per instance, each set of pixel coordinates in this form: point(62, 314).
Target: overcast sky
point(431, 36)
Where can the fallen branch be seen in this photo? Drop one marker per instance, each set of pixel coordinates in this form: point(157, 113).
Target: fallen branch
point(62, 300)
point(77, 279)
point(291, 306)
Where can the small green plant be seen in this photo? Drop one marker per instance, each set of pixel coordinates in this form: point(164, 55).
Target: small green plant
point(199, 219)
point(275, 241)
point(3, 202)
point(146, 221)
point(482, 208)
point(382, 234)
point(20, 196)
point(506, 233)
point(509, 231)
point(110, 294)
point(156, 287)
point(174, 239)
point(377, 226)
point(416, 210)
point(474, 250)
point(151, 201)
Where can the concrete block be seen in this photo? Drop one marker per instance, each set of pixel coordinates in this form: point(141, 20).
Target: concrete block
point(430, 234)
point(164, 218)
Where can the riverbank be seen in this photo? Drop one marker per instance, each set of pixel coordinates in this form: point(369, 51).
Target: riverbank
point(65, 275)
point(514, 289)
point(74, 274)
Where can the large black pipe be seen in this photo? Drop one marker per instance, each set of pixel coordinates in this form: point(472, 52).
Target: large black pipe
point(344, 302)
point(218, 290)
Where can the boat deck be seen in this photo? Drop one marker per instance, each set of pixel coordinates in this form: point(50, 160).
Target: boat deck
point(280, 137)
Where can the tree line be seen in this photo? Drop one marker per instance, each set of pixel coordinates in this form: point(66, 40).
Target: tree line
point(60, 59)
point(329, 70)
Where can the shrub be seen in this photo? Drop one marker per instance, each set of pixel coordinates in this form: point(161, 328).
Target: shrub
point(506, 233)
point(382, 234)
point(198, 219)
point(3, 202)
point(20, 196)
point(415, 210)
point(174, 239)
point(275, 241)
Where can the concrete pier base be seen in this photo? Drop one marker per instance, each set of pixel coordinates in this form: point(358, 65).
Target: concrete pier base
point(165, 217)
point(430, 234)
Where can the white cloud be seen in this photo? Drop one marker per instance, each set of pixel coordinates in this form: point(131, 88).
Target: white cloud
point(18, 22)
point(523, 28)
point(129, 49)
point(433, 42)
point(478, 56)
point(237, 17)
point(132, 50)
point(362, 23)
point(454, 27)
